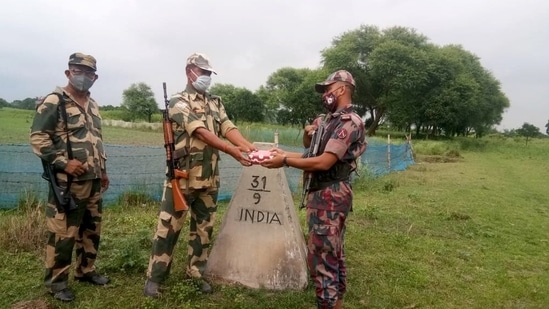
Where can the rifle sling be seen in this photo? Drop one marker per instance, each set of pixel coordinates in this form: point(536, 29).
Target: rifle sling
point(63, 109)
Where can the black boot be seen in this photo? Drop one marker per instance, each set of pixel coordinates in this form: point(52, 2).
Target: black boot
point(63, 295)
point(93, 278)
point(205, 287)
point(151, 289)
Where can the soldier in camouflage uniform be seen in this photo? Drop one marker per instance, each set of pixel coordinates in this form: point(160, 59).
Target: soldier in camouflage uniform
point(330, 197)
point(80, 228)
point(199, 120)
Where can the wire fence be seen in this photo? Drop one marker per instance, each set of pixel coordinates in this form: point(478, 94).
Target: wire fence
point(142, 169)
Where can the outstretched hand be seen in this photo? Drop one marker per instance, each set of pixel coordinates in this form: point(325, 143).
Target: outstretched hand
point(248, 148)
point(236, 153)
point(276, 160)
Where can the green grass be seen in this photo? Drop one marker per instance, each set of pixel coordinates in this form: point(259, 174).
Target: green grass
point(468, 233)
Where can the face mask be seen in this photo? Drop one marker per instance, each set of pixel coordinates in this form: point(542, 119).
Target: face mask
point(202, 82)
point(81, 82)
point(329, 101)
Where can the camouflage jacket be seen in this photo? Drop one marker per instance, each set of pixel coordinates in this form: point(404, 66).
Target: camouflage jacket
point(189, 111)
point(344, 138)
point(48, 135)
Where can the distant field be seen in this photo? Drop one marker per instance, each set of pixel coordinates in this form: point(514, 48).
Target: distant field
point(465, 227)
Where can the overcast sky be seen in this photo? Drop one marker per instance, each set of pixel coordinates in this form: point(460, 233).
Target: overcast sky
point(247, 40)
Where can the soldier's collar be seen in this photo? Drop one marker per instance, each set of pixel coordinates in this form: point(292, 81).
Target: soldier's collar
point(193, 94)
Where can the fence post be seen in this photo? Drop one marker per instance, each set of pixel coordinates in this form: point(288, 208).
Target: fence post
point(409, 148)
point(389, 152)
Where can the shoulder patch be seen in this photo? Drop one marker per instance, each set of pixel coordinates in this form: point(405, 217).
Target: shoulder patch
point(341, 133)
point(345, 117)
point(180, 104)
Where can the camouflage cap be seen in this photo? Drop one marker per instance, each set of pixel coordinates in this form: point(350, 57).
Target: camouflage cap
point(202, 61)
point(82, 59)
point(337, 76)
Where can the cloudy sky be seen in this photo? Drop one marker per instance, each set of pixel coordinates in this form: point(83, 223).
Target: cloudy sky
point(247, 40)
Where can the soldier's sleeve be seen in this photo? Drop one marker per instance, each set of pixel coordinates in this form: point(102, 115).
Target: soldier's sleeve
point(43, 132)
point(225, 122)
point(98, 135)
point(347, 133)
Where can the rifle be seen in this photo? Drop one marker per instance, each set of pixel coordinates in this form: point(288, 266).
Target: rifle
point(173, 174)
point(64, 202)
point(312, 152)
point(63, 198)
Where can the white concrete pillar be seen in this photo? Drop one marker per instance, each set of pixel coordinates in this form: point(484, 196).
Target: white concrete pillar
point(260, 243)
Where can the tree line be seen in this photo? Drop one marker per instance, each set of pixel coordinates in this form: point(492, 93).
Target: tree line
point(404, 82)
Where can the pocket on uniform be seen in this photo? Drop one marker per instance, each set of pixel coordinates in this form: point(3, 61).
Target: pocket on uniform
point(75, 118)
point(80, 154)
point(324, 238)
point(55, 220)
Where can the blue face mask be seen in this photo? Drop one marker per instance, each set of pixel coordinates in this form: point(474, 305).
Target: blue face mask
point(202, 82)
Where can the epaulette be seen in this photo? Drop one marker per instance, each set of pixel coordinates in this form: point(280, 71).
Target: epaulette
point(345, 117)
point(213, 96)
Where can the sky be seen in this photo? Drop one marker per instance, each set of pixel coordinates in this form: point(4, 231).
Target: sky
point(247, 40)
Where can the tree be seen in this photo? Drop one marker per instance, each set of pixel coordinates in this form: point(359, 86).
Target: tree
point(291, 91)
point(240, 103)
point(109, 107)
point(355, 51)
point(547, 127)
point(404, 79)
point(138, 102)
point(28, 103)
point(4, 103)
point(528, 130)
point(248, 106)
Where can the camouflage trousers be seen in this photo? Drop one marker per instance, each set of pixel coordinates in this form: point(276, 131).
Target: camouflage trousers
point(203, 207)
point(326, 255)
point(79, 228)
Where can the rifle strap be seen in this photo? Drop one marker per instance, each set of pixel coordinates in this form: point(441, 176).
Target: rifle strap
point(63, 109)
point(188, 163)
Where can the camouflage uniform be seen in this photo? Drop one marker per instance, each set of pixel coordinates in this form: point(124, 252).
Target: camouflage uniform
point(189, 111)
point(329, 203)
point(80, 228)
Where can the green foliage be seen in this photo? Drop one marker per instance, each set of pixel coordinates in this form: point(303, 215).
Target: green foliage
point(467, 234)
point(240, 103)
point(4, 103)
point(139, 103)
point(134, 198)
point(529, 131)
point(291, 92)
point(15, 125)
point(28, 103)
point(25, 231)
point(128, 254)
point(405, 80)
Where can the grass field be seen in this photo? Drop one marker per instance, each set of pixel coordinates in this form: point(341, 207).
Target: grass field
point(467, 226)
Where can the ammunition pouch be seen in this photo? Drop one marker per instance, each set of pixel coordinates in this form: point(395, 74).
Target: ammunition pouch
point(340, 171)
